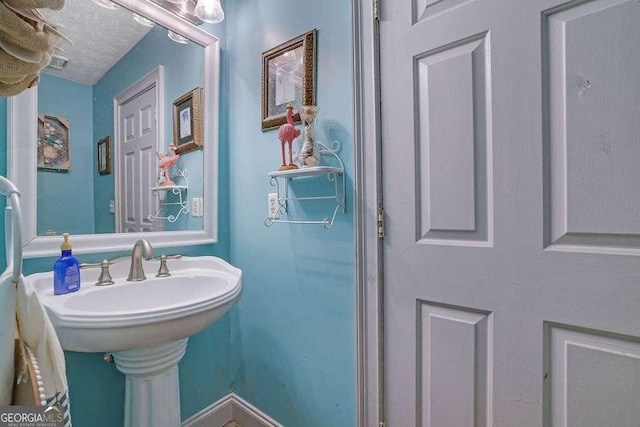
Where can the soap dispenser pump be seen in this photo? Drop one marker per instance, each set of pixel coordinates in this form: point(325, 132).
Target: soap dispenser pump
point(66, 270)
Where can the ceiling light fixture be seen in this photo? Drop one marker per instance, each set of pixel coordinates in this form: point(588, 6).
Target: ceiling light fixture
point(107, 4)
point(209, 11)
point(182, 8)
point(143, 21)
point(177, 37)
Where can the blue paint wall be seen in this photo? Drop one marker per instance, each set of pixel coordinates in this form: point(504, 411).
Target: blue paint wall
point(184, 70)
point(65, 201)
point(293, 331)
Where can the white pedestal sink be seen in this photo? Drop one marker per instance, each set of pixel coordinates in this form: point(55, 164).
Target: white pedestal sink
point(145, 325)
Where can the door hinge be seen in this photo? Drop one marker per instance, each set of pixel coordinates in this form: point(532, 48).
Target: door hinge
point(382, 424)
point(381, 223)
point(376, 9)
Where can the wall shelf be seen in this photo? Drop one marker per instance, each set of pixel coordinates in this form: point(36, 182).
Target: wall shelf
point(281, 180)
point(165, 208)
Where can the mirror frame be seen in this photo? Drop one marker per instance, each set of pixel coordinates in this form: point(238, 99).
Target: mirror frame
point(21, 155)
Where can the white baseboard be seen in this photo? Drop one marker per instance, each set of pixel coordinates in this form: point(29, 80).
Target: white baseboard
point(215, 415)
point(231, 407)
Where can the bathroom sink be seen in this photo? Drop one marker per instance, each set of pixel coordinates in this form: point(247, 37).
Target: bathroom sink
point(145, 324)
point(131, 315)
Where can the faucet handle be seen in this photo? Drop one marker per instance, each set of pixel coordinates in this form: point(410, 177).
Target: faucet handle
point(163, 271)
point(105, 277)
point(95, 264)
point(166, 257)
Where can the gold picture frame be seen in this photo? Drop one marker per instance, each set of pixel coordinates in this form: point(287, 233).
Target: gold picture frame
point(188, 120)
point(288, 77)
point(104, 156)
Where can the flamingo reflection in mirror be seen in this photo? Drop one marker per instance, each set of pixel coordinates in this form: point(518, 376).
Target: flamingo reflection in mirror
point(166, 161)
point(287, 134)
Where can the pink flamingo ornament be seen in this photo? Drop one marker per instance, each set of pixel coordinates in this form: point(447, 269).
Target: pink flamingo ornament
point(288, 133)
point(168, 161)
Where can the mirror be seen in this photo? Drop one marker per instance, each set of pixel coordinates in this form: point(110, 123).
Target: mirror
point(56, 200)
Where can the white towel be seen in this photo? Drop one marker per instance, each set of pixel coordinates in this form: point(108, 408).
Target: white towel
point(37, 332)
point(7, 322)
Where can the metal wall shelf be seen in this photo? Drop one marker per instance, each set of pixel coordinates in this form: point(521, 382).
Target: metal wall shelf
point(334, 174)
point(164, 207)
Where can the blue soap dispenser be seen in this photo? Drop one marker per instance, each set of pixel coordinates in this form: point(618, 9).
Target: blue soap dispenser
point(66, 270)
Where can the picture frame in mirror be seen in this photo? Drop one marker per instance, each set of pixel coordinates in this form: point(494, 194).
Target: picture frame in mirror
point(188, 134)
point(54, 145)
point(104, 156)
point(288, 77)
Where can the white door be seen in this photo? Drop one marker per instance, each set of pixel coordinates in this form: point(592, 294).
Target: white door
point(511, 158)
point(138, 162)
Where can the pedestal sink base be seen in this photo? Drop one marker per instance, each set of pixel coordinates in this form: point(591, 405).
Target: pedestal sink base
point(152, 394)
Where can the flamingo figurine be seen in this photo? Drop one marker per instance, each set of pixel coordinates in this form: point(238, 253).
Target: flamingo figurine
point(288, 133)
point(168, 161)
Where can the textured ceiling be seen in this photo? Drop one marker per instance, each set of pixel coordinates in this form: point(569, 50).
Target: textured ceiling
point(101, 38)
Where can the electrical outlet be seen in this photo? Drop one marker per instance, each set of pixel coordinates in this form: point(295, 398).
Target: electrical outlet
point(272, 205)
point(197, 206)
point(200, 206)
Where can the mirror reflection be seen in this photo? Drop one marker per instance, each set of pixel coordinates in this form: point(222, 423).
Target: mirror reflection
point(117, 83)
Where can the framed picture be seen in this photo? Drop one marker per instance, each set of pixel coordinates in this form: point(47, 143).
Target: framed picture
point(188, 121)
point(288, 77)
point(104, 156)
point(53, 149)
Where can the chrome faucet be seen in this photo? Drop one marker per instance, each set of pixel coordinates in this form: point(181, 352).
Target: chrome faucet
point(142, 248)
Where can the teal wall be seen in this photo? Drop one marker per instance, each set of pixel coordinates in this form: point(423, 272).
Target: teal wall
point(65, 201)
point(184, 70)
point(293, 331)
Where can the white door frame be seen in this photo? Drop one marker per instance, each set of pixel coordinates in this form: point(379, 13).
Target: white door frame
point(368, 199)
point(153, 79)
